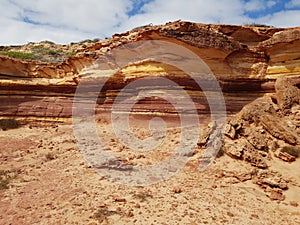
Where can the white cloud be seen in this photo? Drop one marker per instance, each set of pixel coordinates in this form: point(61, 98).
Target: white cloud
point(200, 10)
point(203, 11)
point(259, 5)
point(61, 21)
point(255, 5)
point(86, 16)
point(292, 4)
point(270, 4)
point(288, 18)
point(64, 21)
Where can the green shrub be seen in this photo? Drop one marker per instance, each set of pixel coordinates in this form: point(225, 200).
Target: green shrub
point(294, 151)
point(38, 47)
point(6, 124)
point(19, 55)
point(86, 40)
point(53, 53)
point(41, 50)
point(71, 53)
point(257, 25)
point(48, 42)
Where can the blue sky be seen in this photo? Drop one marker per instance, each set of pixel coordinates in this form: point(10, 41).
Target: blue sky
point(66, 21)
point(274, 7)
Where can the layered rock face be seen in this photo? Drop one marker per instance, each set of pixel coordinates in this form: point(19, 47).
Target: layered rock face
point(246, 62)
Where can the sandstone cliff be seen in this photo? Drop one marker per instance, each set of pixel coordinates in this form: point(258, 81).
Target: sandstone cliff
point(245, 60)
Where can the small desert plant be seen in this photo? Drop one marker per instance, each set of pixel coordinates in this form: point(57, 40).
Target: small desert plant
point(41, 50)
point(38, 47)
point(53, 52)
point(104, 213)
point(6, 124)
point(142, 196)
point(293, 151)
point(4, 184)
point(220, 153)
point(48, 42)
point(86, 40)
point(143, 26)
point(71, 53)
point(5, 179)
point(49, 156)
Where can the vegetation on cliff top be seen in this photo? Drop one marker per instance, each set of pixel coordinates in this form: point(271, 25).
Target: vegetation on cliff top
point(44, 51)
point(19, 55)
point(257, 25)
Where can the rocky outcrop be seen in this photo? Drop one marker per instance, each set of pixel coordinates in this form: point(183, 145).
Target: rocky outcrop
point(267, 129)
point(264, 125)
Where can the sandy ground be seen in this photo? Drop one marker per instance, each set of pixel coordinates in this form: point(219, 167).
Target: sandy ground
point(52, 184)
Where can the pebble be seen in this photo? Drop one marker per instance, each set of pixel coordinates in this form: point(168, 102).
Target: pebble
point(177, 190)
point(293, 203)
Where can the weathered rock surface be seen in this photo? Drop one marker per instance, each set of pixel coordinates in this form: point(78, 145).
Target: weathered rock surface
point(264, 125)
point(259, 132)
point(244, 60)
